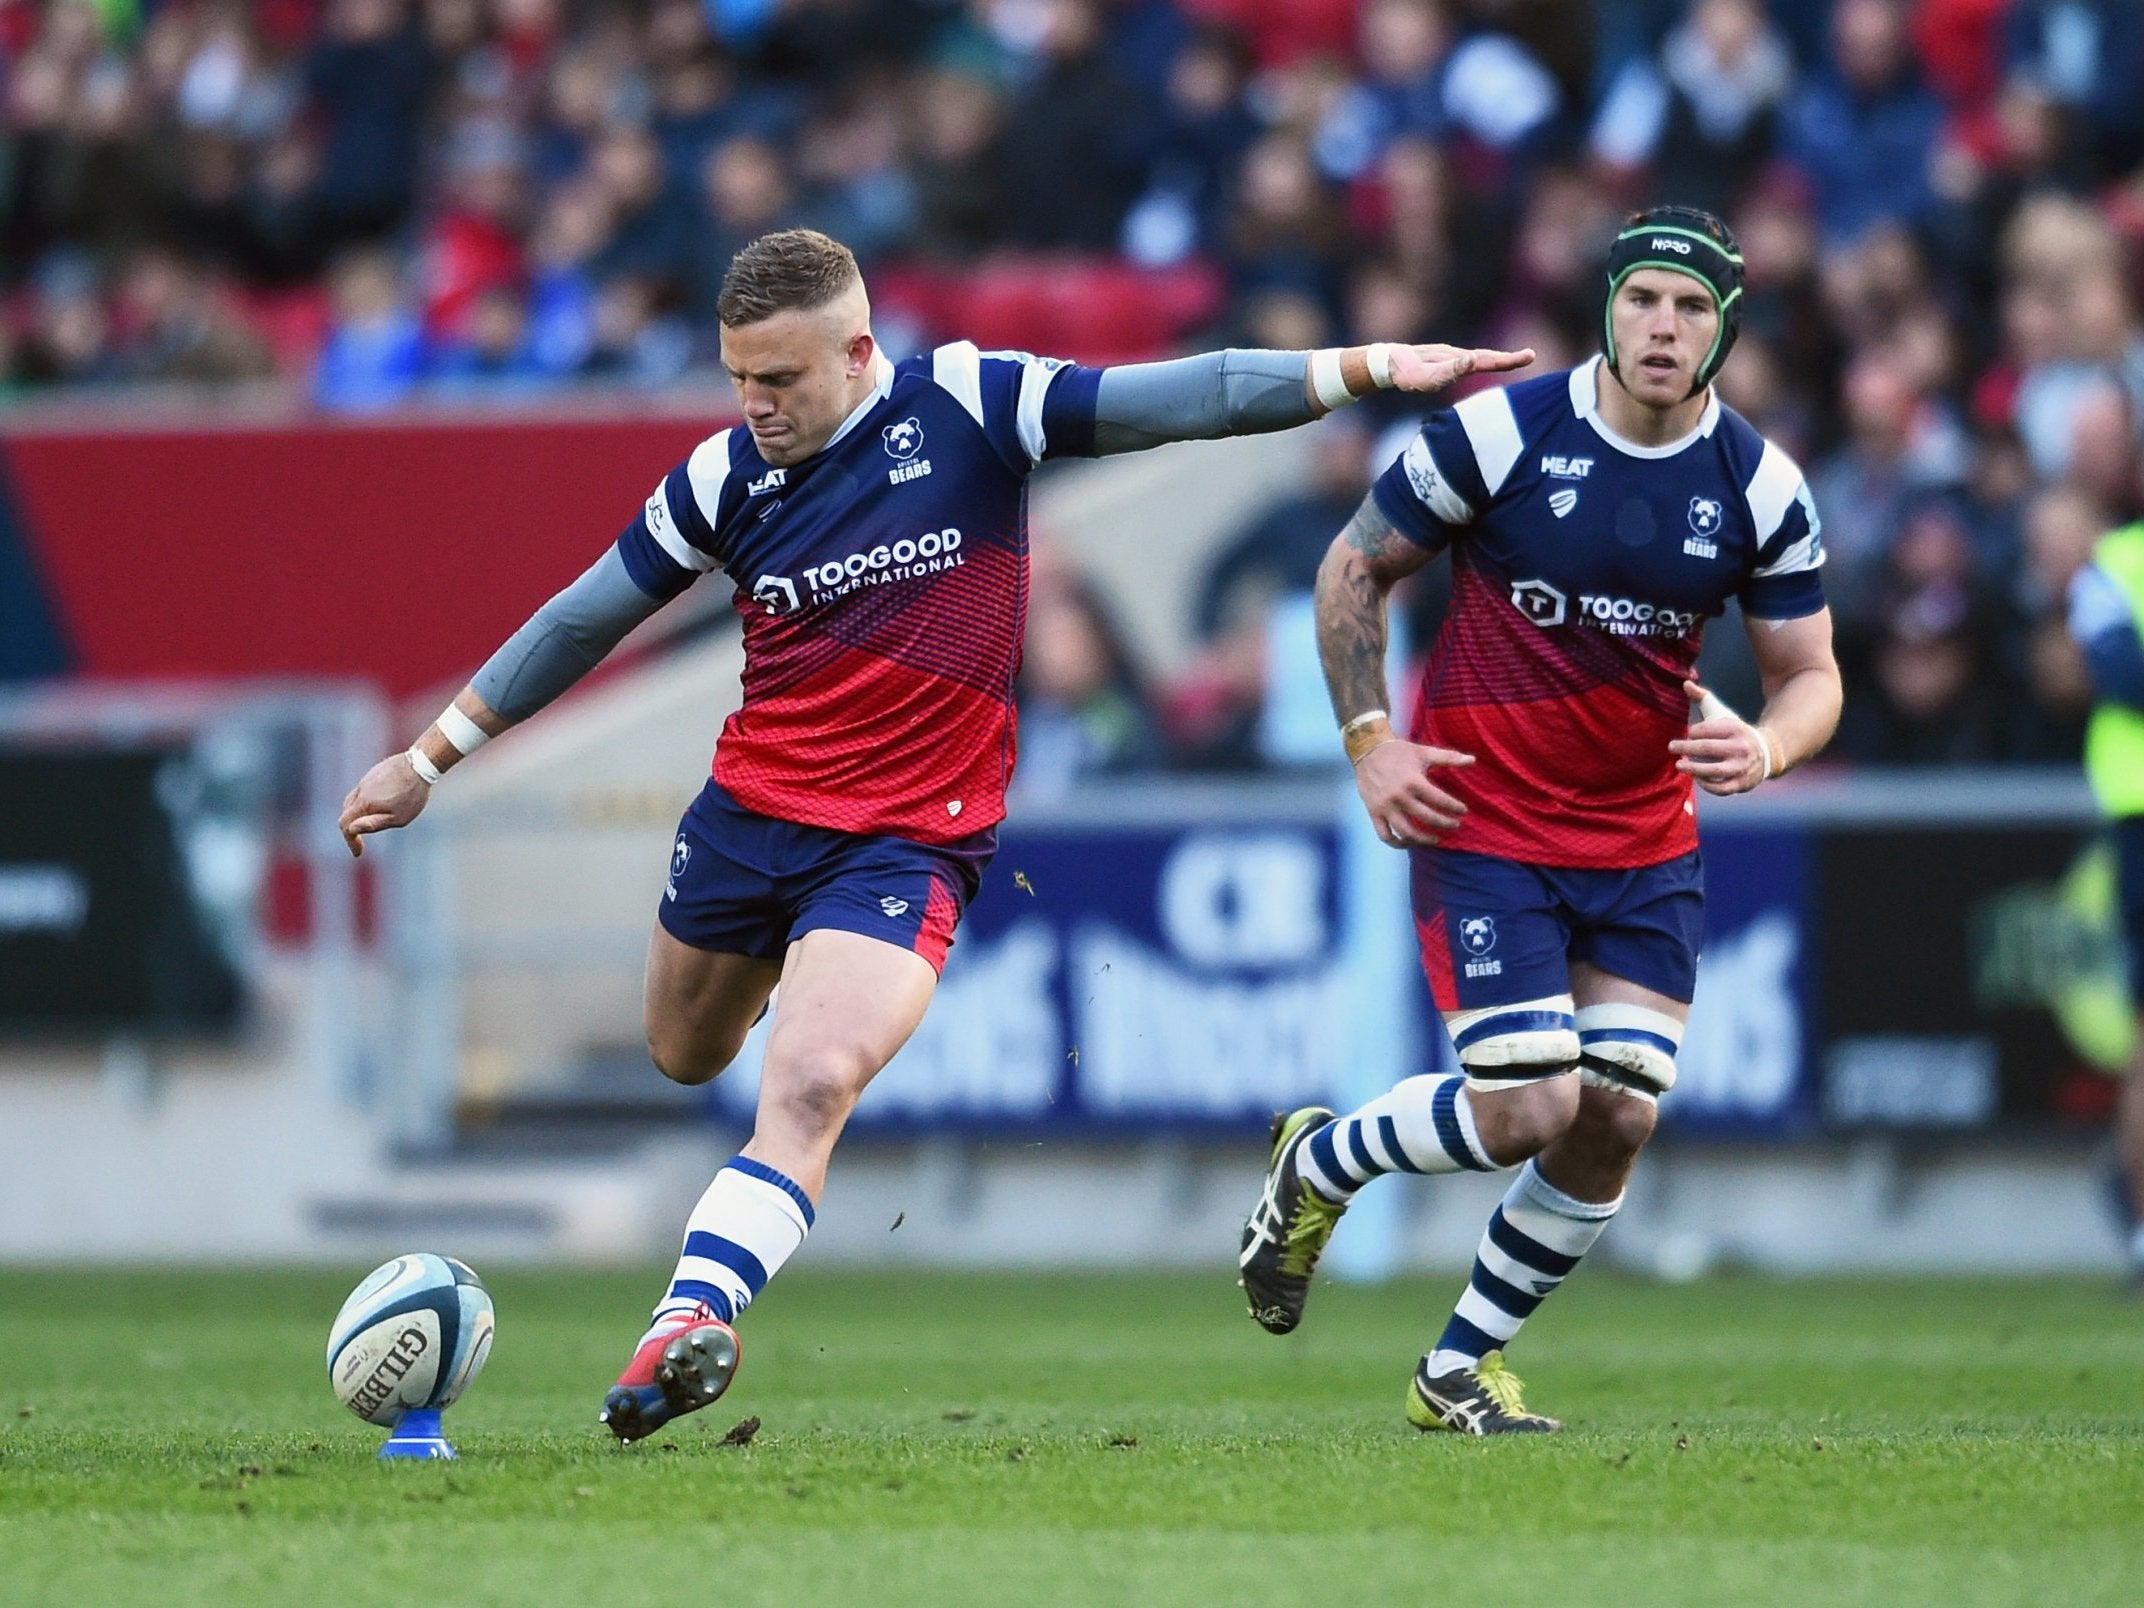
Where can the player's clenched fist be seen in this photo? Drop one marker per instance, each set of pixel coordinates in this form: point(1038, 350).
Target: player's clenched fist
point(1407, 808)
point(391, 794)
point(1723, 753)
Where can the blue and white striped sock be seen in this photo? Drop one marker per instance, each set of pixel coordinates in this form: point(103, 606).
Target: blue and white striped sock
point(1421, 1125)
point(1535, 1239)
point(749, 1222)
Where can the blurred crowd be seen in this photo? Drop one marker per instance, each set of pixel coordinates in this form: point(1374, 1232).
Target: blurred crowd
point(1941, 204)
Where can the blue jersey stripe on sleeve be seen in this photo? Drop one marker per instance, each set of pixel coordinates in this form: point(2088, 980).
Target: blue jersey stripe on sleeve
point(1068, 410)
point(1783, 597)
point(654, 571)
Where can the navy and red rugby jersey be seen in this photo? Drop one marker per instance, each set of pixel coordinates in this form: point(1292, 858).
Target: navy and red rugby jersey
point(883, 584)
point(1584, 568)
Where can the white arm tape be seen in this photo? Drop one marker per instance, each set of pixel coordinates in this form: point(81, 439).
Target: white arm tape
point(1711, 706)
point(1331, 387)
point(465, 734)
point(1325, 380)
point(421, 762)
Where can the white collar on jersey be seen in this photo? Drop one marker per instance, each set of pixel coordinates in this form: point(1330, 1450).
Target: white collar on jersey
point(881, 388)
point(1585, 402)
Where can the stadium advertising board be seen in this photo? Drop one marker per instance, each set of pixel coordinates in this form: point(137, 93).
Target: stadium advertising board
point(1744, 1070)
point(101, 928)
point(1111, 980)
point(1972, 977)
point(1197, 979)
point(1121, 978)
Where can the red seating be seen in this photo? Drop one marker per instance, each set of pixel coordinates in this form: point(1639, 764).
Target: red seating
point(1010, 305)
point(1097, 310)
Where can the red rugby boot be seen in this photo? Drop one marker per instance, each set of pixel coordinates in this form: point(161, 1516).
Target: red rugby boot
point(684, 1364)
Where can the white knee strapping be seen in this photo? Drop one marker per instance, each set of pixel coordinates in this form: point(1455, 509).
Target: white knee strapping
point(1628, 1048)
point(1508, 1046)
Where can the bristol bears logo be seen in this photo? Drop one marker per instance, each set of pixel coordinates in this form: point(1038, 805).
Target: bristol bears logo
point(903, 440)
point(1539, 602)
point(1706, 517)
point(1477, 935)
point(678, 857)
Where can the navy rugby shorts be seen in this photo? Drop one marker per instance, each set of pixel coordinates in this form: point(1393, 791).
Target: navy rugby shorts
point(1499, 932)
point(746, 884)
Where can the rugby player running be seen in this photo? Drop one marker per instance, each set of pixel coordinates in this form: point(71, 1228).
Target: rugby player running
point(1595, 520)
point(872, 518)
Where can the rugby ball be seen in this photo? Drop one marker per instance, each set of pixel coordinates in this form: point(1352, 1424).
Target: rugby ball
point(414, 1334)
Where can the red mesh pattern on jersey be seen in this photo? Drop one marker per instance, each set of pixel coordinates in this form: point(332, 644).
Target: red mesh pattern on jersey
point(941, 914)
point(1490, 652)
point(876, 711)
point(874, 747)
point(962, 624)
point(1569, 727)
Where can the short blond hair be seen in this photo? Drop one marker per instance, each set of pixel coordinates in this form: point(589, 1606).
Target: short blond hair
point(790, 270)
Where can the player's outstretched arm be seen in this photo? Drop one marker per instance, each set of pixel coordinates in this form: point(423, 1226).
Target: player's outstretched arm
point(1360, 569)
point(1726, 754)
point(564, 640)
point(1247, 392)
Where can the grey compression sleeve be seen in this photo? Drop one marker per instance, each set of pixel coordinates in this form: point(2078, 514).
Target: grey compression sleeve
point(564, 640)
point(1236, 392)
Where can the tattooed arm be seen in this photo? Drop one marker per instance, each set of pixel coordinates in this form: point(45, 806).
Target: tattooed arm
point(1364, 563)
point(1360, 569)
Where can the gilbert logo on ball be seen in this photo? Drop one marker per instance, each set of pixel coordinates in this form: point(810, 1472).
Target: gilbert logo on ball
point(410, 1339)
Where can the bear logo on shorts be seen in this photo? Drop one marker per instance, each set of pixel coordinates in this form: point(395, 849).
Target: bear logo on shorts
point(1478, 933)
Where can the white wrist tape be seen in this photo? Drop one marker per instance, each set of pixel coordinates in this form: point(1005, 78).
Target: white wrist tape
point(465, 734)
point(421, 763)
point(1325, 380)
point(1378, 354)
point(1367, 717)
point(1711, 706)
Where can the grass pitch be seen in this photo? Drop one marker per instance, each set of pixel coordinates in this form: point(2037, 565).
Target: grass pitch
point(168, 1437)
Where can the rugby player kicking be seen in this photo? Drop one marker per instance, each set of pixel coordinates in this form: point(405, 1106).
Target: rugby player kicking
point(1595, 520)
point(872, 518)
